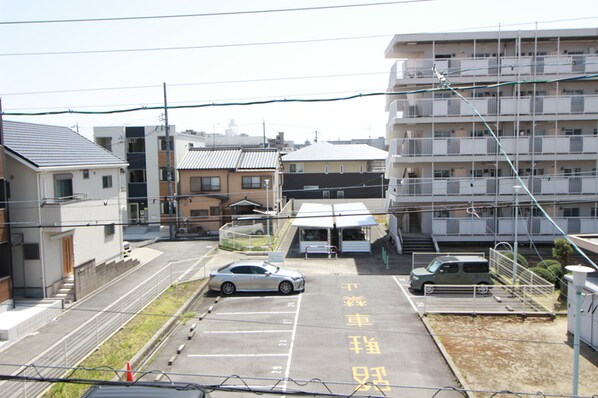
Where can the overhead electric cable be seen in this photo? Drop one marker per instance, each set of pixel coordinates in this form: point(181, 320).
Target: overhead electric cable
point(213, 14)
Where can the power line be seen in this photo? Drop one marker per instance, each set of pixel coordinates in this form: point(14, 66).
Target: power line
point(212, 14)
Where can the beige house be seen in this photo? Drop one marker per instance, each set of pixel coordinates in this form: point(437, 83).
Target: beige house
point(219, 185)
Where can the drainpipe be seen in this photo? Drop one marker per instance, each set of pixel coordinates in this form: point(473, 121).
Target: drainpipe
point(41, 236)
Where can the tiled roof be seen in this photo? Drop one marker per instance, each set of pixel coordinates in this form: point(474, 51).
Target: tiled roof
point(237, 159)
point(54, 146)
point(325, 151)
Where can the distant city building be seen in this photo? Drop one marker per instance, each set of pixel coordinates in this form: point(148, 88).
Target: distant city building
point(327, 171)
point(448, 177)
point(145, 147)
point(379, 142)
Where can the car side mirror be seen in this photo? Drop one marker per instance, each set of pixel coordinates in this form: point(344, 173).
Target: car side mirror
point(441, 271)
point(268, 273)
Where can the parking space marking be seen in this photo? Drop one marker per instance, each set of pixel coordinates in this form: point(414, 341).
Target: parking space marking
point(257, 313)
point(235, 355)
point(292, 345)
point(245, 331)
point(405, 293)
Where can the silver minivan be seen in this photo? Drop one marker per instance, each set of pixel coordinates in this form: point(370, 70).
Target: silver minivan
point(452, 270)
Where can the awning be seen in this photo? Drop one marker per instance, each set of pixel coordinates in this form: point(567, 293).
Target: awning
point(343, 215)
point(245, 202)
point(314, 215)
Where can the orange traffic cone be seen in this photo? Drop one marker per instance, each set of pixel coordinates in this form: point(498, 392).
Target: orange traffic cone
point(129, 373)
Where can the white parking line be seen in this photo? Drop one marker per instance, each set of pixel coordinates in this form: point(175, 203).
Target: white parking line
point(292, 345)
point(256, 313)
point(245, 331)
point(234, 355)
point(405, 293)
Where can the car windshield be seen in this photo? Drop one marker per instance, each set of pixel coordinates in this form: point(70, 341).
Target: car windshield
point(271, 268)
point(434, 265)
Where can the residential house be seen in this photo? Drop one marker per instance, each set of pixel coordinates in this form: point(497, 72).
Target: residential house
point(145, 148)
point(449, 178)
point(328, 171)
point(67, 198)
point(5, 259)
point(217, 185)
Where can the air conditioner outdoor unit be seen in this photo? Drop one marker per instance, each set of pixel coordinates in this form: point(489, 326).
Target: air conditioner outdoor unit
point(183, 230)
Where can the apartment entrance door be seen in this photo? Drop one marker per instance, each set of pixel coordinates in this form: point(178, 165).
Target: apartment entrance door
point(68, 256)
point(133, 213)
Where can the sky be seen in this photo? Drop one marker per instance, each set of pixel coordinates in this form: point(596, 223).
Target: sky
point(232, 55)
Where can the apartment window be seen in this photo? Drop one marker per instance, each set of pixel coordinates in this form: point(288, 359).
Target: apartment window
point(164, 207)
point(251, 182)
point(340, 194)
point(442, 134)
point(210, 183)
point(310, 187)
point(296, 167)
point(326, 169)
point(86, 174)
point(164, 174)
point(442, 173)
point(342, 169)
point(441, 214)
point(572, 172)
point(109, 230)
point(106, 181)
point(572, 131)
point(593, 212)
point(136, 176)
point(162, 143)
point(571, 212)
point(199, 213)
point(326, 194)
point(136, 144)
point(63, 186)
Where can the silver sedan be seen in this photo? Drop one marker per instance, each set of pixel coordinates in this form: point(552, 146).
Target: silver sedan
point(254, 276)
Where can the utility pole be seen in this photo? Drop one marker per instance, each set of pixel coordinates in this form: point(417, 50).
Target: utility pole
point(168, 169)
point(316, 139)
point(264, 133)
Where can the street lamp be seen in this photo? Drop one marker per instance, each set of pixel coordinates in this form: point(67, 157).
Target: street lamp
point(579, 280)
point(515, 258)
point(267, 184)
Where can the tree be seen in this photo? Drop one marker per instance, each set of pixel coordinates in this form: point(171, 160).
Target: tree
point(561, 251)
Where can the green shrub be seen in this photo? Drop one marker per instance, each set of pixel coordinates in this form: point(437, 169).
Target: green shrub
point(548, 263)
point(544, 273)
point(557, 271)
point(520, 259)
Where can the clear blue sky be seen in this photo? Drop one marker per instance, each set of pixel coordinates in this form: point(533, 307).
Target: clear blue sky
point(308, 68)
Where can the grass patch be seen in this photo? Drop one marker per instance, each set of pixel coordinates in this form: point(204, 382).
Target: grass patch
point(115, 352)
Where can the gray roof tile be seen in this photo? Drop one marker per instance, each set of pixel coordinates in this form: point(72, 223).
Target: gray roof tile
point(327, 151)
point(54, 146)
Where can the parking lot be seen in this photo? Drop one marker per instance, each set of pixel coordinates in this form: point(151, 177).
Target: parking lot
point(353, 333)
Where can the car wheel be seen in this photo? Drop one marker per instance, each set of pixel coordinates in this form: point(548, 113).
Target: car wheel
point(260, 232)
point(285, 287)
point(428, 288)
point(228, 288)
point(482, 288)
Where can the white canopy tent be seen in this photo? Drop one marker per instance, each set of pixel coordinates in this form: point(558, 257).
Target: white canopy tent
point(329, 228)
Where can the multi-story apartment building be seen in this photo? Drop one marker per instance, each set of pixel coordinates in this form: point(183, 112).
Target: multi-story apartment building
point(448, 177)
point(145, 148)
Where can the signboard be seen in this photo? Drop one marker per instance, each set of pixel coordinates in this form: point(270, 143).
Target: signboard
point(276, 257)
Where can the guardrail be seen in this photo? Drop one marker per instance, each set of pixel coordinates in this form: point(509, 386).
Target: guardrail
point(77, 345)
point(489, 299)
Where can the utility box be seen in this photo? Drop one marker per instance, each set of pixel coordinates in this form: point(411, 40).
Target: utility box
point(589, 310)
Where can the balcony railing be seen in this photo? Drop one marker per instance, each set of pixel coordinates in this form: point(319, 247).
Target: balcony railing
point(494, 66)
point(492, 106)
point(505, 226)
point(463, 146)
point(490, 186)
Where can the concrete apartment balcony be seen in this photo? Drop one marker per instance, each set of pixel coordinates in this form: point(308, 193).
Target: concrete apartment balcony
point(452, 109)
point(60, 214)
point(409, 71)
point(415, 150)
point(503, 228)
point(422, 190)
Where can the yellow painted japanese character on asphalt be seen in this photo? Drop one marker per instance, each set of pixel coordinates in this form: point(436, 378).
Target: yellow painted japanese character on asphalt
point(358, 320)
point(371, 378)
point(352, 301)
point(363, 343)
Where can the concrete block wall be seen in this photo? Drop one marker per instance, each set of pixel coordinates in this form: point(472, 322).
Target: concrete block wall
point(90, 277)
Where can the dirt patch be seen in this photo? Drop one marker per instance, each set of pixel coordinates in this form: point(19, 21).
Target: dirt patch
point(515, 354)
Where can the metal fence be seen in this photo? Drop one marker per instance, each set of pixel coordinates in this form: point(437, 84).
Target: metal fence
point(493, 299)
point(77, 345)
point(423, 259)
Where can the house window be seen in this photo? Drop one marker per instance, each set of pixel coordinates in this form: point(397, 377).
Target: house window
point(210, 183)
point(310, 187)
point(342, 169)
point(109, 230)
point(214, 211)
point(296, 168)
point(136, 144)
point(162, 143)
point(164, 174)
point(251, 182)
point(361, 169)
point(136, 176)
point(63, 186)
point(326, 194)
point(31, 251)
point(376, 165)
point(164, 207)
point(106, 181)
point(325, 169)
point(340, 194)
point(86, 174)
point(199, 213)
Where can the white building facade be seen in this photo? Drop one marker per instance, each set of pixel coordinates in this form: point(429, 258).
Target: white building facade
point(448, 178)
point(145, 148)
